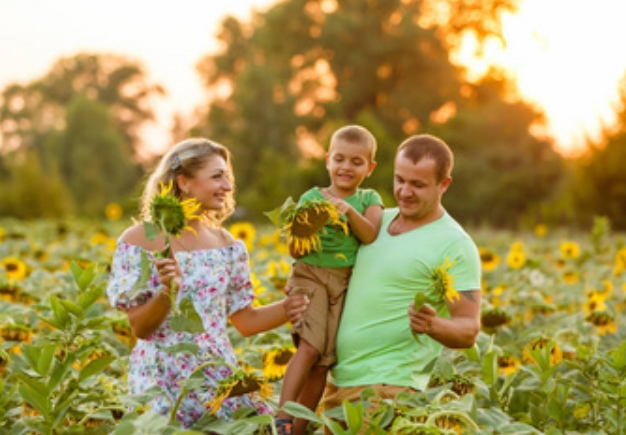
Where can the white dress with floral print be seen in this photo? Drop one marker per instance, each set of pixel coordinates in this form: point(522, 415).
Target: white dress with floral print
point(218, 283)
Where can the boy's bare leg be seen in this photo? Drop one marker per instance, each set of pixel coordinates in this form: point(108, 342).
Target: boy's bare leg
point(311, 394)
point(296, 375)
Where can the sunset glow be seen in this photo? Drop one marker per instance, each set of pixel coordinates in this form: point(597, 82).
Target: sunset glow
point(564, 55)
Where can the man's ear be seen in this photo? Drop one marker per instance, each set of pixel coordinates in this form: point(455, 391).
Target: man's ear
point(446, 183)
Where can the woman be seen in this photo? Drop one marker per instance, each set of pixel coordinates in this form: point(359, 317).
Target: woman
point(210, 268)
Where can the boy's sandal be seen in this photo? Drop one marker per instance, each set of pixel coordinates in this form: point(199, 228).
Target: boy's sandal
point(284, 426)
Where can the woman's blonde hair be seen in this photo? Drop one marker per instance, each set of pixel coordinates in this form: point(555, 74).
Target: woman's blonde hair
point(187, 158)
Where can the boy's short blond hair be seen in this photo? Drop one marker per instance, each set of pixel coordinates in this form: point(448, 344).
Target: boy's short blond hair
point(355, 134)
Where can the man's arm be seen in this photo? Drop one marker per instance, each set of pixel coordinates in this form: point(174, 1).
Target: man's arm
point(457, 332)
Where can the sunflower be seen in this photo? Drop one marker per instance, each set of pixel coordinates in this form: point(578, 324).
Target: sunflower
point(516, 259)
point(620, 262)
point(113, 211)
point(459, 384)
point(570, 277)
point(275, 363)
point(569, 249)
point(556, 354)
point(541, 230)
point(603, 322)
point(99, 239)
point(595, 302)
point(304, 222)
point(444, 282)
point(489, 259)
point(170, 214)
point(507, 364)
point(9, 291)
point(14, 268)
point(244, 231)
point(493, 318)
point(15, 332)
point(238, 384)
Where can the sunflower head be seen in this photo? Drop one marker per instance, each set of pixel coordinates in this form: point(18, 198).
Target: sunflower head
point(443, 282)
point(304, 222)
point(171, 214)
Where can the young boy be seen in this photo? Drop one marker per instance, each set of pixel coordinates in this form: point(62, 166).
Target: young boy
point(323, 274)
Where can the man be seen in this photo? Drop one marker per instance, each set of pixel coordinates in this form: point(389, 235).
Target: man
point(375, 344)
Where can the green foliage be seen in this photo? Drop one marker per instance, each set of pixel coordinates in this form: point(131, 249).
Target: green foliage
point(599, 185)
point(82, 119)
point(32, 191)
point(385, 65)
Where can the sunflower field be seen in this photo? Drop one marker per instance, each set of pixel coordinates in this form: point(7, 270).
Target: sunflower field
point(550, 359)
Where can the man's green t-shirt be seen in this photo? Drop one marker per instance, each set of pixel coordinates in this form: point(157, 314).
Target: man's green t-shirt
point(375, 344)
point(339, 249)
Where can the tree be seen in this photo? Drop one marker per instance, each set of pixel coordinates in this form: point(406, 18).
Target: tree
point(29, 112)
point(599, 183)
point(288, 78)
point(83, 118)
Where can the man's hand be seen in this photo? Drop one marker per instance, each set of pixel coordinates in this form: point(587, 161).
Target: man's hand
point(421, 321)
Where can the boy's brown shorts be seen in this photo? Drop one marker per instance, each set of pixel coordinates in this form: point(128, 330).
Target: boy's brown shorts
point(326, 288)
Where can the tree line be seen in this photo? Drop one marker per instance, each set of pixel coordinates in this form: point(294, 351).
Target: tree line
point(282, 83)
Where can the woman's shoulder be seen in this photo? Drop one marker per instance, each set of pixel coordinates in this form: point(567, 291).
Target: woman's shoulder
point(136, 236)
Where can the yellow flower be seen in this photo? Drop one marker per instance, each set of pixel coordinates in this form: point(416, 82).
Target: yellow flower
point(238, 384)
point(603, 322)
point(99, 239)
point(620, 261)
point(541, 230)
point(489, 259)
point(556, 354)
point(244, 231)
point(570, 277)
point(113, 211)
point(14, 268)
point(444, 282)
point(170, 214)
point(303, 223)
point(516, 259)
point(569, 249)
point(275, 363)
point(507, 364)
point(595, 302)
point(517, 246)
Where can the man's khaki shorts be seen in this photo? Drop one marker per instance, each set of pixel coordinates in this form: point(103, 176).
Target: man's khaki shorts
point(326, 288)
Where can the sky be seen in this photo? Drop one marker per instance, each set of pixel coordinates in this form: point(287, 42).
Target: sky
point(559, 51)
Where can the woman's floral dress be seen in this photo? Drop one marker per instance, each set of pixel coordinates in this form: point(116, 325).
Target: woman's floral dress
point(218, 283)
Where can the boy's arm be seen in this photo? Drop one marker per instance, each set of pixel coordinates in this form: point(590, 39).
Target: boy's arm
point(365, 226)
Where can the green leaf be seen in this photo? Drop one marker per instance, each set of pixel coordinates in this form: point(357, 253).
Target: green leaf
point(188, 348)
point(619, 357)
point(299, 411)
point(83, 277)
point(283, 214)
point(31, 354)
point(95, 366)
point(45, 358)
point(33, 384)
point(60, 313)
point(35, 399)
point(354, 415)
point(90, 296)
point(72, 307)
point(188, 320)
point(490, 367)
point(151, 230)
point(144, 276)
point(472, 353)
